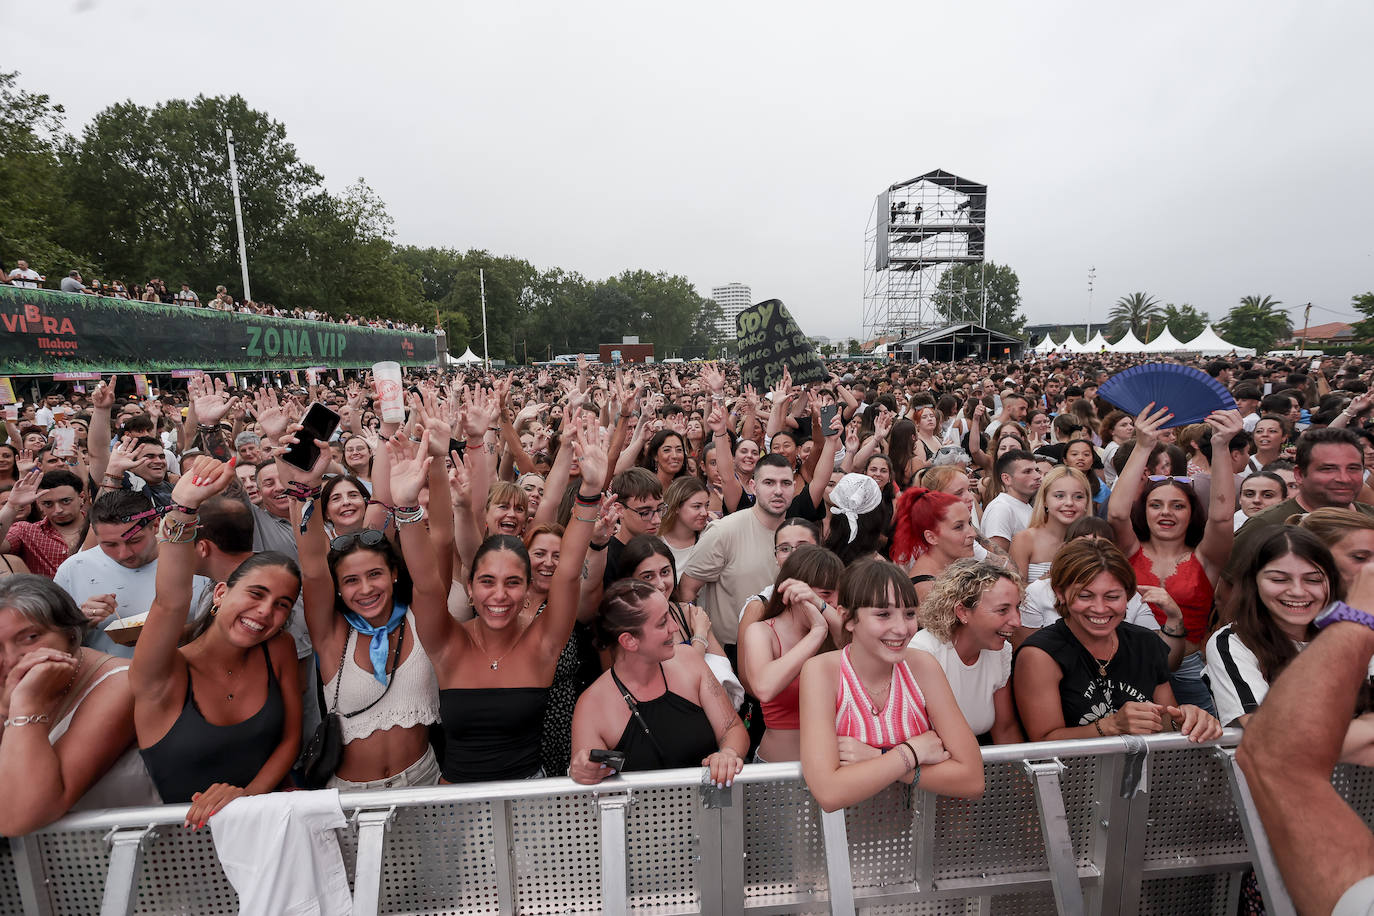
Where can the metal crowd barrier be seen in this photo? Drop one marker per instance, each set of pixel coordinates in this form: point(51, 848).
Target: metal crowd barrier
point(1111, 825)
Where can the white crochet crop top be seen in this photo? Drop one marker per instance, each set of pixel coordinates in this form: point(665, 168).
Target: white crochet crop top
point(412, 700)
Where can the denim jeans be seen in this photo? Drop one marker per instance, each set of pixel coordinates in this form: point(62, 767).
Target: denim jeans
point(1188, 684)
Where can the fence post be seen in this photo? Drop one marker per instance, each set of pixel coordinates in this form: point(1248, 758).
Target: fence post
point(615, 884)
point(367, 881)
point(31, 876)
point(837, 872)
point(1276, 899)
point(121, 881)
point(1054, 824)
point(720, 850)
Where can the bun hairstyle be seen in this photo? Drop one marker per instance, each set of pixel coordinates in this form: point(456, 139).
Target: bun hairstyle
point(918, 510)
point(621, 611)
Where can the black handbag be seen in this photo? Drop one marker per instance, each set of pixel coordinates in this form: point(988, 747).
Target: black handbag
point(324, 750)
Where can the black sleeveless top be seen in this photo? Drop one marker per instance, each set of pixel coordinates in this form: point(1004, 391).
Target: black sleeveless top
point(681, 733)
point(491, 732)
point(195, 754)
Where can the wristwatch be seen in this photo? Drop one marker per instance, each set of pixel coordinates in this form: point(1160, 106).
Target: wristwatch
point(1337, 611)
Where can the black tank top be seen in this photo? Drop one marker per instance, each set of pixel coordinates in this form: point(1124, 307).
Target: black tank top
point(491, 732)
point(682, 734)
point(194, 754)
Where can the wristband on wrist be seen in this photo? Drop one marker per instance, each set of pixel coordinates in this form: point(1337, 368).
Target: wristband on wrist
point(1098, 724)
point(301, 492)
point(699, 639)
point(595, 546)
point(1180, 633)
point(588, 501)
point(408, 515)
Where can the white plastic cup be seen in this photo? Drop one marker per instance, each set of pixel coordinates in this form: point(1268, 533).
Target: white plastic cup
point(386, 382)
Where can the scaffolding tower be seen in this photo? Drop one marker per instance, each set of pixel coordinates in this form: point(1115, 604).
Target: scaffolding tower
point(917, 231)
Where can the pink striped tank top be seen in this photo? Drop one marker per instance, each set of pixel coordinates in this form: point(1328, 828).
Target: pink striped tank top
point(903, 717)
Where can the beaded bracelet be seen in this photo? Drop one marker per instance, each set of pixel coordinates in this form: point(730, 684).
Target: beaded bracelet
point(408, 515)
point(173, 532)
point(302, 493)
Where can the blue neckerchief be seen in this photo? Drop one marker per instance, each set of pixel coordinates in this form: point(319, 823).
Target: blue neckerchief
point(377, 648)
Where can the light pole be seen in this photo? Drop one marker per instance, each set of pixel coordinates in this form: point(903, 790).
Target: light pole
point(238, 215)
point(1088, 328)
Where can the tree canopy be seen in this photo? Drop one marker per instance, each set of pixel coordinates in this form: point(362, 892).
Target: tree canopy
point(959, 296)
point(1138, 312)
point(1257, 322)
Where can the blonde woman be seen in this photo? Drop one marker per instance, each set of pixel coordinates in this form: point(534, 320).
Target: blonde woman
point(1348, 534)
point(968, 621)
point(1064, 497)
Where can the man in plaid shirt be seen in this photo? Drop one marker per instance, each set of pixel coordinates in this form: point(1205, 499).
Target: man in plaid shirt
point(45, 544)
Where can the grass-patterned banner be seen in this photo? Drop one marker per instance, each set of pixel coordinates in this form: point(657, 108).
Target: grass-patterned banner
point(43, 332)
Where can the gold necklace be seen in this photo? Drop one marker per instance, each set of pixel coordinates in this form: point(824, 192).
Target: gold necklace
point(496, 662)
point(1102, 665)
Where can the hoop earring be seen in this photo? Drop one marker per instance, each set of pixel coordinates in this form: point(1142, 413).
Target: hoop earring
point(214, 609)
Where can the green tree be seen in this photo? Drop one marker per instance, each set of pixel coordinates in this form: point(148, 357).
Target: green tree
point(154, 194)
point(33, 186)
point(1134, 313)
point(1257, 322)
point(705, 339)
point(960, 291)
point(1364, 304)
point(1185, 321)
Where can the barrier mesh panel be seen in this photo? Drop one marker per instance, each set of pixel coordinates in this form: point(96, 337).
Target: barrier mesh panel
point(556, 851)
point(1191, 810)
point(75, 864)
point(1202, 895)
point(784, 849)
point(663, 840)
point(881, 841)
point(1000, 834)
point(180, 873)
point(1356, 785)
point(437, 860)
point(1030, 903)
point(9, 882)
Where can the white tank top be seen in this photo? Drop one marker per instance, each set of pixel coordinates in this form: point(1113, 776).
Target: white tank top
point(126, 784)
point(412, 700)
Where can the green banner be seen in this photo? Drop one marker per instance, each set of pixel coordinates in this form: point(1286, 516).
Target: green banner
point(43, 332)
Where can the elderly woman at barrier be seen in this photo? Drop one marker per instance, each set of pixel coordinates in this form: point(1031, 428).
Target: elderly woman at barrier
point(798, 622)
point(219, 717)
point(877, 712)
point(968, 620)
point(1286, 584)
point(494, 670)
point(68, 739)
point(1091, 674)
point(361, 608)
point(658, 706)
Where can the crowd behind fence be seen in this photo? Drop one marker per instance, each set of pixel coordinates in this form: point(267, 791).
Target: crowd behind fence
point(1119, 825)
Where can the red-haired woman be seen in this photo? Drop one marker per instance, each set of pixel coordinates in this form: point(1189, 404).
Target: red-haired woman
point(932, 530)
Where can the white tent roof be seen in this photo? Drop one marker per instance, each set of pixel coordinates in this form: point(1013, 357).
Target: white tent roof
point(1128, 344)
point(1165, 343)
point(468, 357)
point(1209, 343)
point(1097, 344)
point(1070, 345)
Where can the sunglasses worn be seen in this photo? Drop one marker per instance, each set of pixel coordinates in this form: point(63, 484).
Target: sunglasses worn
point(368, 537)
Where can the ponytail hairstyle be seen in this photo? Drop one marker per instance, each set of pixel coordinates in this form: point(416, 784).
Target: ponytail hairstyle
point(622, 611)
point(918, 510)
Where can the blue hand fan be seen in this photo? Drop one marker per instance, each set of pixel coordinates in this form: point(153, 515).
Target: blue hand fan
point(1189, 393)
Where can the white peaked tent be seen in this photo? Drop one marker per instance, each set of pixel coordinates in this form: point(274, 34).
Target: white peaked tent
point(1165, 343)
point(468, 357)
point(1071, 345)
point(1128, 344)
point(1097, 344)
point(1209, 343)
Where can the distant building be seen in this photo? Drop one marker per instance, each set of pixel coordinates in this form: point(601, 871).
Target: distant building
point(732, 298)
point(1332, 334)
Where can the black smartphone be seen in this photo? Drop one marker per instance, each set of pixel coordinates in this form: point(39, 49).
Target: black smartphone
point(827, 416)
point(613, 759)
point(319, 423)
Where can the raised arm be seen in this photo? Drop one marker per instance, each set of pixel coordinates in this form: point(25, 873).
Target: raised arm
point(155, 654)
point(1127, 489)
point(731, 491)
point(409, 464)
point(825, 459)
point(99, 436)
point(767, 672)
point(326, 626)
point(1220, 534)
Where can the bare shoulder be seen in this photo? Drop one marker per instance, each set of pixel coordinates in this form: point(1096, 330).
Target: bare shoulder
point(827, 664)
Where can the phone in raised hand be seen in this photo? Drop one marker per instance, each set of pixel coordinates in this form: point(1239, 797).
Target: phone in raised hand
point(319, 423)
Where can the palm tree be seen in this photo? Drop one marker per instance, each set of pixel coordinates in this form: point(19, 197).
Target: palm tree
point(1135, 313)
point(1259, 321)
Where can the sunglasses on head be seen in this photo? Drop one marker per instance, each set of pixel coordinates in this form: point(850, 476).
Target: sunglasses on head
point(1158, 477)
point(368, 537)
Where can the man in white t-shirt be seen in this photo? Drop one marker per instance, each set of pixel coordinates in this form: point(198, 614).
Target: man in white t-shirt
point(24, 277)
point(118, 578)
point(1010, 512)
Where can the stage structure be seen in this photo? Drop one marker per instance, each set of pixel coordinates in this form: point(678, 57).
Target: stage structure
point(917, 231)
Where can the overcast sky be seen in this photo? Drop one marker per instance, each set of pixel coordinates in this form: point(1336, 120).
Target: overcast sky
point(1195, 151)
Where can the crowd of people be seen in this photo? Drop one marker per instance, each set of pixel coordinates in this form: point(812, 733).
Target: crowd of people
point(155, 290)
point(592, 570)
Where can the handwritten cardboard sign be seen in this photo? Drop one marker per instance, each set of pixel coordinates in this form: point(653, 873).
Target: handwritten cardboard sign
point(768, 340)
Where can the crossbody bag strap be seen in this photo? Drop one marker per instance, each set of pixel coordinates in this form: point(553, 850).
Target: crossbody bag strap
point(396, 663)
point(634, 711)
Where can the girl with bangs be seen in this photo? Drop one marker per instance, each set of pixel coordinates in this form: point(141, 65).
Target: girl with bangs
point(1064, 497)
point(878, 712)
point(798, 622)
